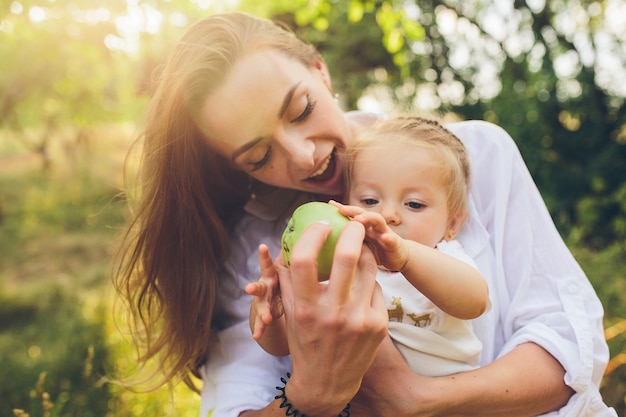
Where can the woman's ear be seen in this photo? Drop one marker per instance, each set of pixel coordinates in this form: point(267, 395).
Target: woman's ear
point(321, 66)
point(454, 224)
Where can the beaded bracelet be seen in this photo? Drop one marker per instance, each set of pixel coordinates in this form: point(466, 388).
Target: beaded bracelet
point(290, 411)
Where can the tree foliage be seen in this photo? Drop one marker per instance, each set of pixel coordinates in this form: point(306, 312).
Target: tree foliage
point(59, 73)
point(549, 74)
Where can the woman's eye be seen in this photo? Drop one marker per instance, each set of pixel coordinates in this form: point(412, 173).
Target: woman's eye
point(308, 109)
point(255, 166)
point(415, 205)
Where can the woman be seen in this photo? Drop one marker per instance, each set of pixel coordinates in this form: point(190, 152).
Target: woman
point(242, 102)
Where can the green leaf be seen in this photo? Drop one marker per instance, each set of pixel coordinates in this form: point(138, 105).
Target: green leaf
point(321, 23)
point(413, 30)
point(355, 11)
point(394, 41)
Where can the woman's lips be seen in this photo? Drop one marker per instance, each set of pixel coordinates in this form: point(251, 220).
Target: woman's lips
point(323, 167)
point(326, 171)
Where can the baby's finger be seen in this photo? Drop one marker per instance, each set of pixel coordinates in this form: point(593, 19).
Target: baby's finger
point(265, 261)
point(346, 210)
point(372, 220)
point(255, 288)
point(259, 329)
point(267, 317)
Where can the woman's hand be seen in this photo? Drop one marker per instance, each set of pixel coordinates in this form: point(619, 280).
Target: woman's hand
point(333, 328)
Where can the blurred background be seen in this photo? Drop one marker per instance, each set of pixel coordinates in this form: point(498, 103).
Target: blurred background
point(75, 76)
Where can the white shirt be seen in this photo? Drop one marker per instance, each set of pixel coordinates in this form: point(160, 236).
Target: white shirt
point(432, 342)
point(538, 292)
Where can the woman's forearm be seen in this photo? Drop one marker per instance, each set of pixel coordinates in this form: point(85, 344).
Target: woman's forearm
point(525, 382)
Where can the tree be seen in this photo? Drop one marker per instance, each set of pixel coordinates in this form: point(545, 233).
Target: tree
point(61, 77)
point(539, 72)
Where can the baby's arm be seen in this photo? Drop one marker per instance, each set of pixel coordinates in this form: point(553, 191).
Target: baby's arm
point(454, 286)
point(267, 321)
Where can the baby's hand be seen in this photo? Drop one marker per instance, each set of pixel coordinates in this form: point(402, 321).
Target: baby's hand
point(266, 304)
point(389, 248)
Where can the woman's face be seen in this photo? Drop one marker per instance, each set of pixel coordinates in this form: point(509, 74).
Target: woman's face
point(278, 121)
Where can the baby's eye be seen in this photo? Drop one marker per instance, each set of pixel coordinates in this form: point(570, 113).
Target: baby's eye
point(369, 201)
point(415, 205)
point(256, 165)
point(306, 112)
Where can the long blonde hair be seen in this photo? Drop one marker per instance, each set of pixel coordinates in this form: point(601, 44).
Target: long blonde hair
point(168, 263)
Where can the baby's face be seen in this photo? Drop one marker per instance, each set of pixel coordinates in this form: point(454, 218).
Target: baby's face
point(406, 188)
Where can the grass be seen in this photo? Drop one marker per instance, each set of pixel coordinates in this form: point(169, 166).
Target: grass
point(58, 340)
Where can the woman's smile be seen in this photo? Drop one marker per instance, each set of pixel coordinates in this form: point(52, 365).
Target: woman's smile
point(318, 175)
point(328, 176)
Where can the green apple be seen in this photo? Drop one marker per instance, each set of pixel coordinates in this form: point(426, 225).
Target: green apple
point(302, 217)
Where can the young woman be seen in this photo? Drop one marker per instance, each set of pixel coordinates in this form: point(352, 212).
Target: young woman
point(242, 102)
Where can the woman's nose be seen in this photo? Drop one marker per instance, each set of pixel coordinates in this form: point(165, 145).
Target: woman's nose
point(390, 214)
point(299, 149)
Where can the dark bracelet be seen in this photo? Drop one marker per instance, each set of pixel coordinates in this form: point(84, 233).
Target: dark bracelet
point(290, 411)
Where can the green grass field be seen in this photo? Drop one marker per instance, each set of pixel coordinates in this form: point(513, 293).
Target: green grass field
point(58, 338)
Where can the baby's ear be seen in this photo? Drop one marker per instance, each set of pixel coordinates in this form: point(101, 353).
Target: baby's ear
point(454, 224)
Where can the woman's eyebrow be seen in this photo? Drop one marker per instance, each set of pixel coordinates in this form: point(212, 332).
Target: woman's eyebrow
point(283, 108)
point(287, 100)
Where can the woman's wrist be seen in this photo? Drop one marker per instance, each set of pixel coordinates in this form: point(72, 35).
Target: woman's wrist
point(311, 402)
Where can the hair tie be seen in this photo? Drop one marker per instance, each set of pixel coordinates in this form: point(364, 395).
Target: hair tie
point(290, 410)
